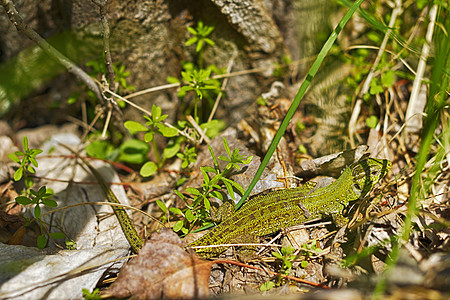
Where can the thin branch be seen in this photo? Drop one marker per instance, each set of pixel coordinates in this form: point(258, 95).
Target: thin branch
point(106, 46)
point(17, 21)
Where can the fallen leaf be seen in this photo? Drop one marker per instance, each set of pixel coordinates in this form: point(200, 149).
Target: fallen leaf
point(163, 270)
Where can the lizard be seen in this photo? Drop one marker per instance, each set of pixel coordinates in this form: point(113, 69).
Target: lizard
point(266, 213)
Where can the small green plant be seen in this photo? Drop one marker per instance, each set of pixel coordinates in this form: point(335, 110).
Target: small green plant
point(27, 163)
point(188, 157)
point(308, 250)
point(198, 210)
point(200, 38)
point(41, 197)
point(91, 296)
point(286, 257)
point(154, 125)
point(98, 68)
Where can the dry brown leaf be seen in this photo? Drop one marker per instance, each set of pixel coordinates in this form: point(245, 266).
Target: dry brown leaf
point(163, 270)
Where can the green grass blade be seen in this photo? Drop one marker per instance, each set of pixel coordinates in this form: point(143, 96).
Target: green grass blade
point(301, 92)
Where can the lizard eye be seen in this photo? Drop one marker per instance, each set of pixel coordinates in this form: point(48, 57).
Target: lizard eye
point(357, 186)
point(375, 173)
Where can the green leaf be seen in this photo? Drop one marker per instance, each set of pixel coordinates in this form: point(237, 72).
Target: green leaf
point(133, 151)
point(179, 194)
point(388, 79)
point(193, 191)
point(156, 112)
point(41, 241)
point(161, 205)
point(57, 235)
point(372, 121)
point(167, 131)
point(266, 286)
point(189, 215)
point(31, 169)
point(191, 41)
point(13, 157)
point(176, 211)
point(170, 152)
point(277, 255)
point(178, 225)
point(49, 202)
point(229, 188)
point(18, 174)
point(216, 194)
point(134, 127)
point(208, 169)
point(304, 264)
point(148, 137)
point(33, 161)
point(206, 203)
point(37, 211)
point(171, 79)
point(148, 169)
point(209, 41)
point(25, 143)
point(375, 87)
point(99, 149)
point(23, 200)
point(42, 190)
point(191, 30)
point(227, 148)
point(199, 45)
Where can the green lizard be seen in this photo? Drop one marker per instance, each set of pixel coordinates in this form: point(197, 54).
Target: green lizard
point(266, 213)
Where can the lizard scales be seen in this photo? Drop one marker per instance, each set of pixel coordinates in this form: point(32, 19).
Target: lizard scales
point(270, 212)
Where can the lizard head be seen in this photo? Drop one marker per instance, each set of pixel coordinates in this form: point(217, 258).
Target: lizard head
point(366, 173)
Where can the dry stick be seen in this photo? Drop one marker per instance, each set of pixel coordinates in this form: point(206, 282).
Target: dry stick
point(197, 127)
point(413, 109)
point(106, 46)
point(109, 65)
point(17, 21)
point(357, 109)
point(232, 262)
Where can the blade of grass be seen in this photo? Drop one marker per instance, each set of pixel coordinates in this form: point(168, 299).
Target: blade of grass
point(301, 92)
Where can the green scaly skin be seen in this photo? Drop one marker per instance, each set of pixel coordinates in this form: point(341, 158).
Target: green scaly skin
point(267, 213)
point(125, 222)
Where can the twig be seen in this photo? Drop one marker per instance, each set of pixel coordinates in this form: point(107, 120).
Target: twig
point(194, 124)
point(17, 21)
point(106, 46)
